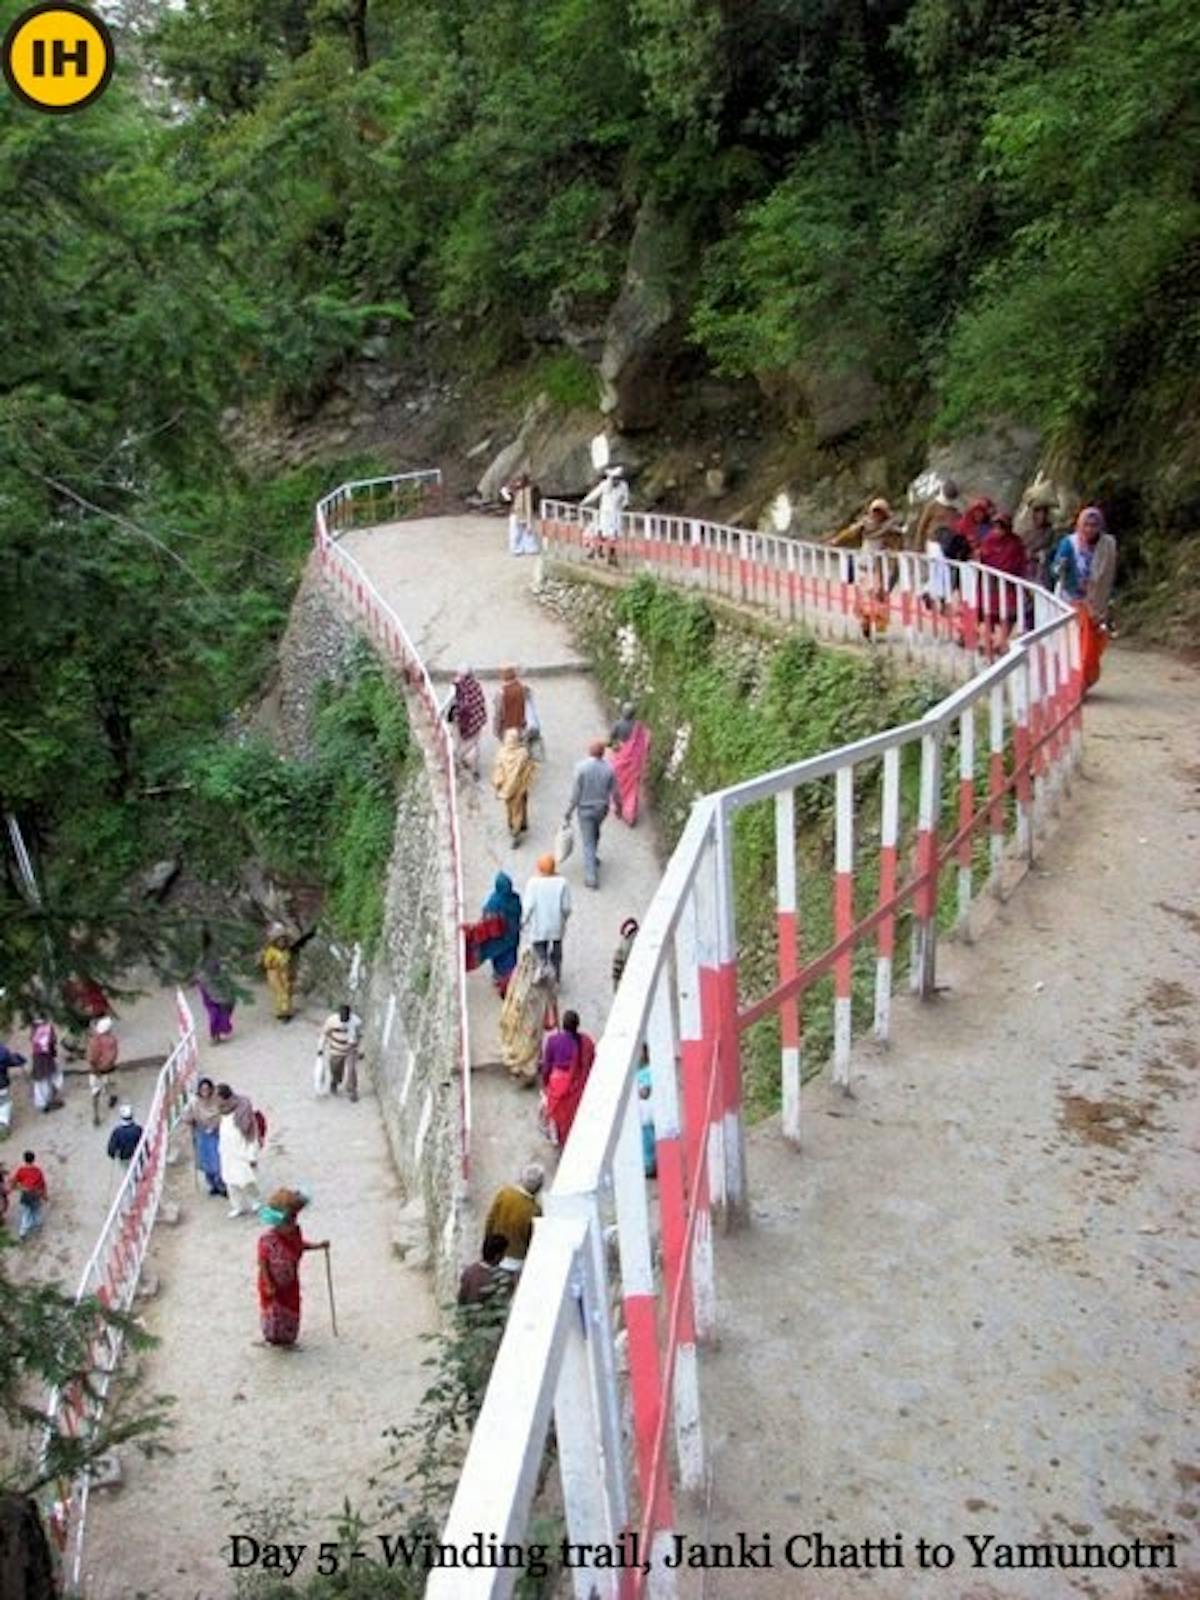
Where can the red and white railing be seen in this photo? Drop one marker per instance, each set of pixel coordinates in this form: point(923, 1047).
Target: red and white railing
point(958, 794)
point(111, 1278)
point(952, 613)
point(364, 504)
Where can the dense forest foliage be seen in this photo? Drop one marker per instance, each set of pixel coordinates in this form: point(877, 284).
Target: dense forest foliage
point(991, 205)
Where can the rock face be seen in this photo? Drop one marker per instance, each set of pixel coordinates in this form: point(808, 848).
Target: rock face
point(555, 449)
point(642, 330)
point(998, 461)
point(812, 510)
point(840, 402)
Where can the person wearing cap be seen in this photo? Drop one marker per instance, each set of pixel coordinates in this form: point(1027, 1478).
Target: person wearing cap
point(612, 493)
point(467, 713)
point(545, 908)
point(591, 795)
point(512, 1213)
point(125, 1138)
point(874, 533)
point(102, 1053)
point(279, 1251)
point(511, 708)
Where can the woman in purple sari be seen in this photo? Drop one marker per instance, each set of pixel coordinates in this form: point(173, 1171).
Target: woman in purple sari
point(216, 991)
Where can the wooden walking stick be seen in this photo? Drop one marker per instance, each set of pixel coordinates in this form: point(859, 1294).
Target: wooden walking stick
point(329, 1285)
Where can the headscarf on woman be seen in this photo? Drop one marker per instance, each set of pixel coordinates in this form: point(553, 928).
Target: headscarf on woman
point(283, 1205)
point(501, 949)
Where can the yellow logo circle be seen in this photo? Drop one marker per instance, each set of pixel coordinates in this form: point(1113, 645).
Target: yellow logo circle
point(58, 57)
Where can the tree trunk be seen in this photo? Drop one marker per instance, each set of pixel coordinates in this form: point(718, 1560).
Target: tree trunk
point(26, 1565)
point(356, 21)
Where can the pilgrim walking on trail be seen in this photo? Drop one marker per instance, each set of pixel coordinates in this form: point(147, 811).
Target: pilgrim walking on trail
point(512, 778)
point(1084, 565)
point(567, 1057)
point(512, 1213)
point(279, 964)
point(44, 1068)
point(612, 493)
point(203, 1116)
point(630, 749)
point(591, 796)
point(339, 1042)
point(102, 1053)
point(125, 1138)
point(546, 909)
point(467, 714)
point(280, 1250)
point(216, 991)
point(28, 1183)
point(240, 1147)
point(496, 937)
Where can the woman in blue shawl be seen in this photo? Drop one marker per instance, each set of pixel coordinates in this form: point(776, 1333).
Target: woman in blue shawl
point(501, 948)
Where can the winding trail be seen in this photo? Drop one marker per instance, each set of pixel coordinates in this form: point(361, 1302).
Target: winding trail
point(969, 1303)
point(464, 599)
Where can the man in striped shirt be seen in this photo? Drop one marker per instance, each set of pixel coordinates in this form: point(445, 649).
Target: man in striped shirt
point(339, 1041)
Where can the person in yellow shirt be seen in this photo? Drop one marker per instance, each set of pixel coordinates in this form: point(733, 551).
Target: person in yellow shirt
point(512, 1213)
point(279, 964)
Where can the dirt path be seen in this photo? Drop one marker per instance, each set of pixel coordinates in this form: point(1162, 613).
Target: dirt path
point(463, 598)
point(292, 1432)
point(970, 1305)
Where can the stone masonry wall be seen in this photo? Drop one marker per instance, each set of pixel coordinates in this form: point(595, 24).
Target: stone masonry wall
point(405, 993)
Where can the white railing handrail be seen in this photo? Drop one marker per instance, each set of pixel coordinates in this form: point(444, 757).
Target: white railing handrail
point(113, 1271)
point(685, 942)
point(434, 739)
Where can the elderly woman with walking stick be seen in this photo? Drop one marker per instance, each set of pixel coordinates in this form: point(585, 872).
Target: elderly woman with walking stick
point(279, 1251)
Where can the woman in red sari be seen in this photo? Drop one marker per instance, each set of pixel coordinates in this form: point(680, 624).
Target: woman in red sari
point(630, 747)
point(567, 1058)
point(279, 1252)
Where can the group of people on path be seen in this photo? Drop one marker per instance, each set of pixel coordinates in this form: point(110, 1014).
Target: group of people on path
point(1079, 563)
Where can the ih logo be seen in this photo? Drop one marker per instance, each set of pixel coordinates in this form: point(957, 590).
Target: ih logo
point(58, 57)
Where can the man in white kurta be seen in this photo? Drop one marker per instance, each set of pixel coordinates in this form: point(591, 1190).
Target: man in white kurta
point(612, 492)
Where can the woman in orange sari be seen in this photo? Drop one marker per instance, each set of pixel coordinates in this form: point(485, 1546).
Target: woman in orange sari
point(1084, 565)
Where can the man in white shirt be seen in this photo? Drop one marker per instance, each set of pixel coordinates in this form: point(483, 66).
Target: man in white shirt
point(545, 907)
point(339, 1040)
point(612, 492)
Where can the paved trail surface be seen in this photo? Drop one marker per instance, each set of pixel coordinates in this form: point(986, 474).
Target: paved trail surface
point(463, 598)
point(970, 1304)
point(964, 1307)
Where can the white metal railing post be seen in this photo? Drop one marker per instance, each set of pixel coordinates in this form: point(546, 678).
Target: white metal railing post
point(843, 922)
point(996, 783)
point(786, 917)
point(733, 1139)
point(924, 962)
point(587, 1419)
point(889, 838)
point(966, 809)
point(698, 1167)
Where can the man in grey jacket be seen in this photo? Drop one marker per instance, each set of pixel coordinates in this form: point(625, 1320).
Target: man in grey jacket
point(592, 796)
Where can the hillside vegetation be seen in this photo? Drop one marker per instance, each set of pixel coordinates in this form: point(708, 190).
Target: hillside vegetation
point(988, 207)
